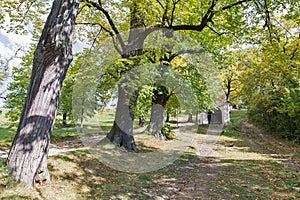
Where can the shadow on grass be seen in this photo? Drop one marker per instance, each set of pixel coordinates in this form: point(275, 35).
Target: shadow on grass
point(95, 129)
point(17, 197)
point(78, 175)
point(189, 177)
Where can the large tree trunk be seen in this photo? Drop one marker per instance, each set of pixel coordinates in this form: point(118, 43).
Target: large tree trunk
point(27, 160)
point(159, 101)
point(122, 131)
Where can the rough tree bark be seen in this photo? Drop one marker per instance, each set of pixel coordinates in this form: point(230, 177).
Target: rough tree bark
point(122, 131)
point(27, 160)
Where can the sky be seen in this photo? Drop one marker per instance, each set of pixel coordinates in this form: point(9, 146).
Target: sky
point(9, 45)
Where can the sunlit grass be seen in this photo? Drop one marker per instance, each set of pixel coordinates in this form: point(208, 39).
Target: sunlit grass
point(100, 123)
point(6, 136)
point(237, 115)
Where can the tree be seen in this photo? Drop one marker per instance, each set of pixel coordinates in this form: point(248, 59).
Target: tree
point(230, 78)
point(3, 76)
point(177, 77)
point(84, 95)
point(269, 73)
point(27, 160)
point(18, 88)
point(270, 77)
point(208, 22)
point(4, 70)
point(147, 17)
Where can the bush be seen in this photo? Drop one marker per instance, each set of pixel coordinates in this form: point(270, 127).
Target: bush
point(167, 131)
point(276, 121)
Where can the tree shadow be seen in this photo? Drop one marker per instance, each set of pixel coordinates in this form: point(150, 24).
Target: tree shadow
point(101, 181)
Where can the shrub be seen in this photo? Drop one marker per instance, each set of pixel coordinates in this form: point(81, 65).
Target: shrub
point(167, 131)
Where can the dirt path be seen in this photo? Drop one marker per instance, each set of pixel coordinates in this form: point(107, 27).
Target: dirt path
point(273, 147)
point(56, 148)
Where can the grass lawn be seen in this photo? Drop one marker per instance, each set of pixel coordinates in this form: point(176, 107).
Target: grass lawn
point(102, 122)
point(79, 175)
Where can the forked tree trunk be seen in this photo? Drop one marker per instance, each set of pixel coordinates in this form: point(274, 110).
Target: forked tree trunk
point(27, 160)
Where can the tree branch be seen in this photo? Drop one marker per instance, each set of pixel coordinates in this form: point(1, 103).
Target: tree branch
point(161, 5)
point(267, 17)
point(27, 11)
point(173, 11)
point(206, 18)
point(109, 19)
point(190, 51)
point(213, 30)
point(95, 24)
point(282, 27)
point(100, 3)
point(81, 9)
point(235, 4)
point(294, 52)
point(105, 29)
point(95, 38)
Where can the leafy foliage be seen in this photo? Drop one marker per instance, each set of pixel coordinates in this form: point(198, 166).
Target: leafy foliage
point(15, 99)
point(167, 131)
point(17, 90)
point(271, 84)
